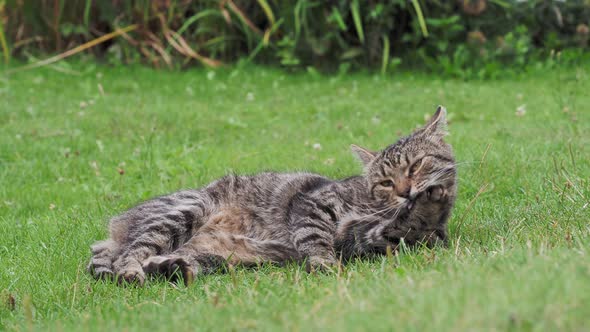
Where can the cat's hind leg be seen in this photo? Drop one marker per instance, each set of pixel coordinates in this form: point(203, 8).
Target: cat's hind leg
point(209, 252)
point(101, 262)
point(156, 227)
point(156, 235)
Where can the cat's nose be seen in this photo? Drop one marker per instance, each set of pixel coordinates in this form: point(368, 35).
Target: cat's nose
point(408, 193)
point(405, 193)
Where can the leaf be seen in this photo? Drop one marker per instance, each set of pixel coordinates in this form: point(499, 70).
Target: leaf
point(338, 18)
point(352, 53)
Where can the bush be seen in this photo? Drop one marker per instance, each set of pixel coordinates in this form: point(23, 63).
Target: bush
point(459, 38)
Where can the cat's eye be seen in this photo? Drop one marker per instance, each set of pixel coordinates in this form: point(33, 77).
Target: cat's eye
point(386, 183)
point(416, 167)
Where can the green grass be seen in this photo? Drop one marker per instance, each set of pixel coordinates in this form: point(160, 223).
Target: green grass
point(519, 253)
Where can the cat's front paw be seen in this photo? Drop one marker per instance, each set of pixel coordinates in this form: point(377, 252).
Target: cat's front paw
point(172, 267)
point(436, 194)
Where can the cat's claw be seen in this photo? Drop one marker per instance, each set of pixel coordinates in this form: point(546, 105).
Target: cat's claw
point(171, 267)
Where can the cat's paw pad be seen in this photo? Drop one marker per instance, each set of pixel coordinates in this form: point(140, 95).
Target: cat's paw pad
point(131, 277)
point(436, 194)
point(171, 267)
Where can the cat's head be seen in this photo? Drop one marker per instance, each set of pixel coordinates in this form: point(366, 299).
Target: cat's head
point(398, 174)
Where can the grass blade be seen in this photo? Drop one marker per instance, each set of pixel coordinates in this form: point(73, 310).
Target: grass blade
point(356, 17)
point(264, 42)
point(481, 190)
point(196, 17)
point(297, 18)
point(163, 53)
point(268, 11)
point(5, 50)
point(87, 7)
point(385, 59)
point(421, 19)
point(242, 16)
point(193, 19)
point(183, 47)
point(338, 18)
point(77, 49)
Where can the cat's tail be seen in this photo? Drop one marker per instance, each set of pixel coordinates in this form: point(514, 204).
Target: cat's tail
point(101, 262)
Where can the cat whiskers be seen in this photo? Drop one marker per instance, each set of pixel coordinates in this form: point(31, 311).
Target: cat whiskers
point(382, 212)
point(375, 215)
point(375, 234)
point(436, 178)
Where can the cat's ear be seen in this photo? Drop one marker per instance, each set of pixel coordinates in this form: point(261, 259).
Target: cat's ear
point(364, 155)
point(436, 127)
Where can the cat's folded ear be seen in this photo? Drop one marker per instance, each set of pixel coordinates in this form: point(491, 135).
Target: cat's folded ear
point(436, 127)
point(364, 155)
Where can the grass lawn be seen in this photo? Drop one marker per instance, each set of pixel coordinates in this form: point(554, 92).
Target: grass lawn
point(76, 150)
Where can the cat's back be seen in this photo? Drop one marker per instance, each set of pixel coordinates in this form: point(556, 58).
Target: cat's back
point(266, 190)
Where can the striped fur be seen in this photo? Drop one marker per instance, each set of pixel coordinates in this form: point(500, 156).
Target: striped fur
point(406, 192)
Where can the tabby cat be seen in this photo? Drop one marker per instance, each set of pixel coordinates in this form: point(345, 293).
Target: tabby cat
point(405, 193)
